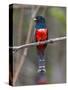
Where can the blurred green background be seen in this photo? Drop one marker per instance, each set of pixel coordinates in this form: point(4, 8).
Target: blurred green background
point(55, 54)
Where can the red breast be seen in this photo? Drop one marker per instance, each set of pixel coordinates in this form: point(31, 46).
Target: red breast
point(41, 35)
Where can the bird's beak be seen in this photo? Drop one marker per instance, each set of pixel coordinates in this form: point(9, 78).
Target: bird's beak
point(35, 19)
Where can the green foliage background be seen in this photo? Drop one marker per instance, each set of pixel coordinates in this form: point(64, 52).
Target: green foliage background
point(55, 54)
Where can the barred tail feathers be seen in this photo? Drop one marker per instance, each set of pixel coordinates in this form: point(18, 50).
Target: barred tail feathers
point(41, 61)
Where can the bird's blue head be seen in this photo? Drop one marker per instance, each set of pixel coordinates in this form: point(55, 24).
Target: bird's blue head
point(40, 22)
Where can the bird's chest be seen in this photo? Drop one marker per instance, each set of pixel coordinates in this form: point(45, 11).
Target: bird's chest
point(41, 34)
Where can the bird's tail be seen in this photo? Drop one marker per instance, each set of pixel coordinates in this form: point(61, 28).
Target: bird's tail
point(41, 61)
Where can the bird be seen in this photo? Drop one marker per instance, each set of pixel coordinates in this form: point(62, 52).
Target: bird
point(41, 34)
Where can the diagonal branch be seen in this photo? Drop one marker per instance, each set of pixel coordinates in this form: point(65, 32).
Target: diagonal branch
point(37, 43)
point(25, 49)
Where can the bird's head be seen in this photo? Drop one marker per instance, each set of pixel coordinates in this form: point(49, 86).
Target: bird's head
point(40, 22)
point(39, 19)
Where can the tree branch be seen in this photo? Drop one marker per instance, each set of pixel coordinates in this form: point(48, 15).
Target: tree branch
point(37, 43)
point(25, 49)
